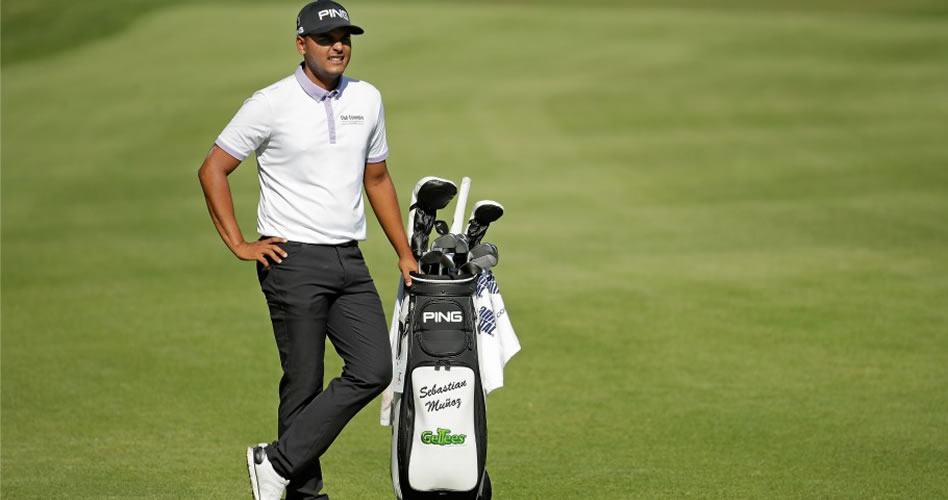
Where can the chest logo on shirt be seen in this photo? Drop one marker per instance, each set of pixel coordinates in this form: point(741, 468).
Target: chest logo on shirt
point(351, 119)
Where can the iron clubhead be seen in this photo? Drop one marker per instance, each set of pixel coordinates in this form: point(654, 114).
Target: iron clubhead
point(435, 262)
point(485, 249)
point(470, 268)
point(446, 243)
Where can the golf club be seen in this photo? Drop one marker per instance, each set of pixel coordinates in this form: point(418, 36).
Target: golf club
point(430, 195)
point(470, 268)
point(482, 215)
point(437, 263)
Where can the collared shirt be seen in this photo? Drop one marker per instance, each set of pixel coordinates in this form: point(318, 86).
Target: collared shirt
point(312, 146)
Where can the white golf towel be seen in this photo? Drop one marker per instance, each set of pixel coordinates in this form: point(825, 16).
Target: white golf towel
point(496, 341)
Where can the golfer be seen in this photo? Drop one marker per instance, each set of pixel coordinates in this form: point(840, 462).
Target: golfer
point(319, 138)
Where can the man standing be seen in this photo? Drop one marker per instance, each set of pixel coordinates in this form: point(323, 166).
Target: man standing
point(319, 138)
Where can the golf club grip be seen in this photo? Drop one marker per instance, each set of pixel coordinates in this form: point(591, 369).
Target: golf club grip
point(461, 206)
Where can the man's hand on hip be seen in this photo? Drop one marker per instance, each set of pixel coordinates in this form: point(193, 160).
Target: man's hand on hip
point(260, 250)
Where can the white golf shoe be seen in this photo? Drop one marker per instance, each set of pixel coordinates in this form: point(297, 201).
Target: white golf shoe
point(265, 483)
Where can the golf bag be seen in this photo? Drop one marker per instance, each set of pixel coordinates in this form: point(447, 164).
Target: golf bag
point(439, 429)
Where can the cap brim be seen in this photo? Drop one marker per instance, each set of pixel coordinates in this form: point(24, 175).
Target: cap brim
point(353, 29)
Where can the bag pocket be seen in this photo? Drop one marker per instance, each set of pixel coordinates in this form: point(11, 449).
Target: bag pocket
point(442, 327)
point(444, 441)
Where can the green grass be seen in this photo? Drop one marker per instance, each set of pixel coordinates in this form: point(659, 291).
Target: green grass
point(724, 251)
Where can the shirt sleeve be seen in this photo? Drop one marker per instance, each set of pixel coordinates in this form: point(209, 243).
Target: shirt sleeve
point(249, 128)
point(378, 146)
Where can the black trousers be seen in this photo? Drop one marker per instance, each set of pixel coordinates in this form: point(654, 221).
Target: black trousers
point(319, 291)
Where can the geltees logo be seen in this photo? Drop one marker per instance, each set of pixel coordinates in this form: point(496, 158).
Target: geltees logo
point(442, 437)
point(352, 119)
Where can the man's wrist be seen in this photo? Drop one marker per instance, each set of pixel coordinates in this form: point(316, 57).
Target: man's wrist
point(235, 244)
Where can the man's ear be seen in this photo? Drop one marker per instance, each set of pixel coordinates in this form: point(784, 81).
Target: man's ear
point(300, 45)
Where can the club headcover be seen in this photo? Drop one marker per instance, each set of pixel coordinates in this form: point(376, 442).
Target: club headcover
point(486, 211)
point(433, 193)
point(430, 195)
point(483, 213)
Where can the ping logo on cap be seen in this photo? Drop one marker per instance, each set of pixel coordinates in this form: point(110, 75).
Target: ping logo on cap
point(331, 13)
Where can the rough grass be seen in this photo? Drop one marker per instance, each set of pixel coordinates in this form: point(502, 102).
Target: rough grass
point(723, 250)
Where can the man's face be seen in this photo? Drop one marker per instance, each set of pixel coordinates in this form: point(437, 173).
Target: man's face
point(326, 54)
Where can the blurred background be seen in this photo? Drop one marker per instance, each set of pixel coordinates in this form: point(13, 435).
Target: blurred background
point(724, 250)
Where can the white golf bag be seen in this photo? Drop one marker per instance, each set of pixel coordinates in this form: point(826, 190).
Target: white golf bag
point(439, 429)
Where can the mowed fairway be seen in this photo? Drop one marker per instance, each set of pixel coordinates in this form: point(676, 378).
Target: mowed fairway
point(725, 250)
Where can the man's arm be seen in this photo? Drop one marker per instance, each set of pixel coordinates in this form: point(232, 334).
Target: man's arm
point(381, 192)
point(213, 176)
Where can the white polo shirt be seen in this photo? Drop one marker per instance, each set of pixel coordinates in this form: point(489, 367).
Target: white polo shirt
point(312, 146)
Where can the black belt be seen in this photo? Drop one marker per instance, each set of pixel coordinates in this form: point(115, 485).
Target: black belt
point(345, 244)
